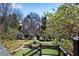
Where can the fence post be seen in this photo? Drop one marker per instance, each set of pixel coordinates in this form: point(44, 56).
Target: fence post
point(58, 50)
point(64, 54)
point(40, 50)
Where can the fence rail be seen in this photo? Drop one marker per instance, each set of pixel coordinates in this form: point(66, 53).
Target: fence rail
point(60, 49)
point(39, 51)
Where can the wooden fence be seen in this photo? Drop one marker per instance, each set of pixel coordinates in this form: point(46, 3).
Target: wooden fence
point(64, 53)
point(38, 51)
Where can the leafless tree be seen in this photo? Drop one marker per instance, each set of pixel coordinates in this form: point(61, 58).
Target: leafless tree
point(5, 10)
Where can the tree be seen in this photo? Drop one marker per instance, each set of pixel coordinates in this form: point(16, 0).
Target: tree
point(64, 23)
point(13, 20)
point(4, 12)
point(69, 16)
point(43, 23)
point(9, 17)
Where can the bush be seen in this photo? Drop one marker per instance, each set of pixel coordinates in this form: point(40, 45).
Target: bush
point(9, 42)
point(66, 44)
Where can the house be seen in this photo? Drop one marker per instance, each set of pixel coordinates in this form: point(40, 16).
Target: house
point(32, 24)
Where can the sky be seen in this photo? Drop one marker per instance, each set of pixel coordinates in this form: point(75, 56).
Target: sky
point(38, 8)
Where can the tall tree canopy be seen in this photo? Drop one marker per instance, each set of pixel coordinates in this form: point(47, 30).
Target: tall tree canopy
point(65, 22)
point(9, 17)
point(4, 12)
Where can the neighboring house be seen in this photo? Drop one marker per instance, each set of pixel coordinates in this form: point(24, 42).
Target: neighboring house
point(32, 24)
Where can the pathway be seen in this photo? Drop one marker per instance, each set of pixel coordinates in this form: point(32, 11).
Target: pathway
point(3, 51)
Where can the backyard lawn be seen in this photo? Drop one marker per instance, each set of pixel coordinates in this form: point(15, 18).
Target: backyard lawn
point(44, 51)
point(49, 51)
point(21, 52)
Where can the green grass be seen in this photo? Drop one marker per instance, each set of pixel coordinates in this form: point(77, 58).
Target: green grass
point(44, 51)
point(49, 51)
point(21, 52)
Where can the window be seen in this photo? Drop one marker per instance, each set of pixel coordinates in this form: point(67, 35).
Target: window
point(26, 27)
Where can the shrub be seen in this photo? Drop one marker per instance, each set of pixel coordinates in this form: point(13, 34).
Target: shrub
point(67, 44)
point(9, 42)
